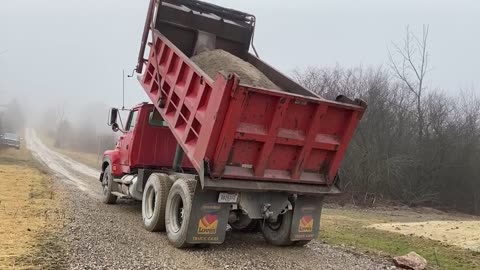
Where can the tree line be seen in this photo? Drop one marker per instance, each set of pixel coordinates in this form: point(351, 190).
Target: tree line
point(85, 133)
point(414, 145)
point(12, 118)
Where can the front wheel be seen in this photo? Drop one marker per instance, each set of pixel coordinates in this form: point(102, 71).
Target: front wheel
point(107, 187)
point(179, 208)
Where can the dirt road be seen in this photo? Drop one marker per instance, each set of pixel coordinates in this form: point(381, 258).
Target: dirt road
point(101, 236)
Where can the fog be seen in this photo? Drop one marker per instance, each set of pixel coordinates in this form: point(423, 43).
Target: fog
point(72, 52)
point(62, 60)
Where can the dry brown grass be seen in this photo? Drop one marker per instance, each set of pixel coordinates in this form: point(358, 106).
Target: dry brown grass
point(29, 212)
point(14, 156)
point(86, 158)
point(461, 233)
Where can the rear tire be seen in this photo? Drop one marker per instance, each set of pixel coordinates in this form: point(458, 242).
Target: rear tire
point(178, 211)
point(154, 201)
point(253, 227)
point(244, 224)
point(278, 233)
point(107, 185)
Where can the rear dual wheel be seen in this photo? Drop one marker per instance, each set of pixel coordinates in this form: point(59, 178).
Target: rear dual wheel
point(178, 211)
point(167, 207)
point(154, 201)
point(278, 233)
point(244, 224)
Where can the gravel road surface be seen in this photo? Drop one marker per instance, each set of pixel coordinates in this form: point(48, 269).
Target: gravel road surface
point(100, 236)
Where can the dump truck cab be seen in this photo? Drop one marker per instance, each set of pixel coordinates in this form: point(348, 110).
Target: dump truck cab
point(146, 142)
point(212, 150)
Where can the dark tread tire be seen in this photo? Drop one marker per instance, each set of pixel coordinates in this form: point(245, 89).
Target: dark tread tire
point(107, 179)
point(253, 226)
point(250, 227)
point(182, 189)
point(154, 202)
point(279, 236)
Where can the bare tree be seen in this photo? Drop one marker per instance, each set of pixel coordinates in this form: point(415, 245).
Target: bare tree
point(13, 117)
point(409, 62)
point(412, 146)
point(62, 127)
point(60, 115)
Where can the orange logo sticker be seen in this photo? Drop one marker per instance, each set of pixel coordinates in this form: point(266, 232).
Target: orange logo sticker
point(208, 224)
point(306, 224)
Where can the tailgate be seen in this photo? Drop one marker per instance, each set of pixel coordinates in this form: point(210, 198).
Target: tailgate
point(278, 136)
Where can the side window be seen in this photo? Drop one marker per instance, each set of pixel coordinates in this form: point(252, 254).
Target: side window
point(132, 120)
point(156, 120)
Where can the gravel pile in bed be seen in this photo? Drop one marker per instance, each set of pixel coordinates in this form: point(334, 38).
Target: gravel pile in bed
point(212, 62)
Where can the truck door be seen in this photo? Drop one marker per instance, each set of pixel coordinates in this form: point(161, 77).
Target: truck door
point(126, 138)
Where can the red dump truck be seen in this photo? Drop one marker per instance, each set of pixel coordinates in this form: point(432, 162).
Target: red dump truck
point(210, 153)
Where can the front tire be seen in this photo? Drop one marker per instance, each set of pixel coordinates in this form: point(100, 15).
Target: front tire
point(178, 212)
point(278, 233)
point(154, 202)
point(107, 186)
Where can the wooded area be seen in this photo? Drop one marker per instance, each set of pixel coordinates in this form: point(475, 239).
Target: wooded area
point(12, 118)
point(87, 132)
point(415, 145)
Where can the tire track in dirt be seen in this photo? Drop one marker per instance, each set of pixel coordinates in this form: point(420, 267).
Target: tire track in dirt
point(63, 167)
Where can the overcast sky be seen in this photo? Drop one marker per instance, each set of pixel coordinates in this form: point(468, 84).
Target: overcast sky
point(73, 51)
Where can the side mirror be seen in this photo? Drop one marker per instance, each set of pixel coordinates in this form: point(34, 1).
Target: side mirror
point(112, 116)
point(112, 119)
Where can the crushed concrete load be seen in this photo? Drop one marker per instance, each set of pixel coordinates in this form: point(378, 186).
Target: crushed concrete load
point(212, 62)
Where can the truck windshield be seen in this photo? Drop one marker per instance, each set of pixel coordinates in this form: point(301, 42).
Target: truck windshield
point(156, 120)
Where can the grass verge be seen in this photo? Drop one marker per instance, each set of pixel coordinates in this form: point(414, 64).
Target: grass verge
point(347, 227)
point(30, 214)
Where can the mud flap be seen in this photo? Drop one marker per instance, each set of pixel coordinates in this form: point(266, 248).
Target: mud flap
point(306, 218)
point(208, 220)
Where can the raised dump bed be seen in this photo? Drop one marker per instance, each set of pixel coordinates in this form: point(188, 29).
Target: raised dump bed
point(231, 130)
point(263, 152)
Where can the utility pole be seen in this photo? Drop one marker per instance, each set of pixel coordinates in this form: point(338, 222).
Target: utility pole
point(123, 89)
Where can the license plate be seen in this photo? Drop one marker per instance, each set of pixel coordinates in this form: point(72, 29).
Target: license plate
point(224, 197)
